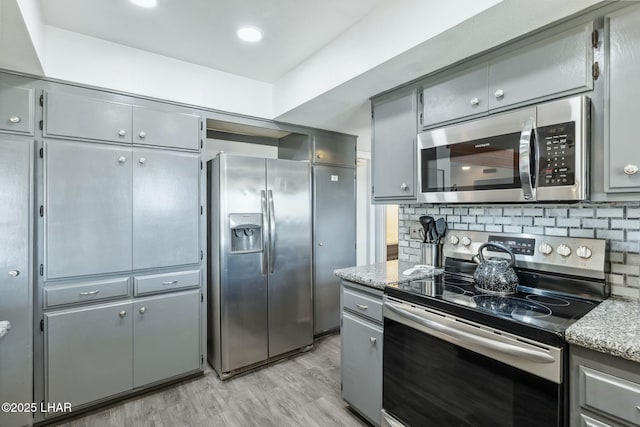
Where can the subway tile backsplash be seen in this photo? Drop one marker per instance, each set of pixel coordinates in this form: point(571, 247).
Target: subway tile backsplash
point(617, 223)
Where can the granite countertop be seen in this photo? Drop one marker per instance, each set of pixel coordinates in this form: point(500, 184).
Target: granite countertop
point(4, 328)
point(613, 327)
point(381, 274)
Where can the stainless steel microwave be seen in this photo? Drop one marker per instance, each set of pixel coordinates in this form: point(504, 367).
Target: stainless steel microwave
point(537, 153)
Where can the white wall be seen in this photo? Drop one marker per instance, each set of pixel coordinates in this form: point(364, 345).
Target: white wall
point(88, 60)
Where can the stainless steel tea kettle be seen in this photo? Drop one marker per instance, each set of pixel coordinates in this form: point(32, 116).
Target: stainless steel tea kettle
point(495, 275)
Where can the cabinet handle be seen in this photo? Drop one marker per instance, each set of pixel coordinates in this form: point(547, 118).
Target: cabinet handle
point(320, 244)
point(173, 282)
point(142, 310)
point(14, 119)
point(14, 273)
point(142, 134)
point(373, 340)
point(122, 313)
point(142, 160)
point(362, 307)
point(122, 159)
point(631, 169)
point(404, 186)
point(122, 132)
point(474, 101)
point(499, 93)
point(97, 291)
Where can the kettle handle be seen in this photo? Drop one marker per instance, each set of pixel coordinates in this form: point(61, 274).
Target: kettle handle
point(512, 261)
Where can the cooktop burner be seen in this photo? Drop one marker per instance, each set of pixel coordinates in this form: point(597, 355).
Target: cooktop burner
point(508, 306)
point(548, 300)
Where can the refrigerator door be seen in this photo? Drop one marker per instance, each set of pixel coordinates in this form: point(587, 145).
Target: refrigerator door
point(290, 306)
point(334, 240)
point(243, 280)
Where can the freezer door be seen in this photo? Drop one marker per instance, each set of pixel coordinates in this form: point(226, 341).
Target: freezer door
point(334, 240)
point(290, 307)
point(243, 280)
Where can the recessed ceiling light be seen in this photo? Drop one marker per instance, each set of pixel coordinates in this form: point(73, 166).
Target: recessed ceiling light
point(145, 3)
point(466, 168)
point(249, 34)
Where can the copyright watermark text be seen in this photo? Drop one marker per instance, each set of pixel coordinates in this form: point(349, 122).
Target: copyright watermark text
point(22, 407)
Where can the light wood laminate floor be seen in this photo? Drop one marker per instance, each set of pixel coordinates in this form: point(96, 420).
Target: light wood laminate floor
point(301, 391)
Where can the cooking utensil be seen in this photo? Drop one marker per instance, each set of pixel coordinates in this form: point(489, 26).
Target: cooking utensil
point(426, 222)
point(440, 229)
point(495, 275)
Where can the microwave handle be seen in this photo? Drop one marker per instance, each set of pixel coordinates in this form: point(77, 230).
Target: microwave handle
point(526, 158)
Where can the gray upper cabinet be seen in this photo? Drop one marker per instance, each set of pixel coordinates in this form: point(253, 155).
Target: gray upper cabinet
point(393, 146)
point(17, 105)
point(166, 129)
point(89, 353)
point(88, 191)
point(552, 66)
point(75, 116)
point(334, 149)
point(622, 151)
point(166, 208)
point(461, 96)
point(166, 336)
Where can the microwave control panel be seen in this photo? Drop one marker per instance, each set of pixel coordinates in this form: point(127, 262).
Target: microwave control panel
point(556, 154)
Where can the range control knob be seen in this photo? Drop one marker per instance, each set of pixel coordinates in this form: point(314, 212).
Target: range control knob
point(545, 248)
point(584, 252)
point(564, 250)
point(454, 239)
point(466, 241)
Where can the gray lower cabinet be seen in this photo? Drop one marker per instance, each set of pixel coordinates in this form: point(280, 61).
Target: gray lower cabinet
point(622, 151)
point(69, 115)
point(605, 390)
point(16, 280)
point(361, 341)
point(166, 208)
point(394, 126)
point(166, 336)
point(165, 129)
point(17, 106)
point(89, 353)
point(87, 209)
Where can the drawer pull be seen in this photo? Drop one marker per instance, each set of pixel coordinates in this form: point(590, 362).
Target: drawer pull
point(631, 169)
point(91, 292)
point(14, 119)
point(362, 306)
point(173, 282)
point(373, 340)
point(122, 314)
point(638, 407)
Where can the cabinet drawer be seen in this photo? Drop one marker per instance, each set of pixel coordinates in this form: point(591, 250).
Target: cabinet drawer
point(609, 394)
point(362, 304)
point(154, 283)
point(87, 291)
point(79, 116)
point(16, 109)
point(586, 421)
point(166, 129)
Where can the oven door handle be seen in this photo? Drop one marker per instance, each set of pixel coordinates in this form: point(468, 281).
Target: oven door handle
point(510, 349)
point(526, 158)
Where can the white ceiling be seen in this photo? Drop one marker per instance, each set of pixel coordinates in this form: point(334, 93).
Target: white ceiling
point(203, 32)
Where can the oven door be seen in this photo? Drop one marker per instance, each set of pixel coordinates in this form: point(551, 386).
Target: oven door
point(439, 370)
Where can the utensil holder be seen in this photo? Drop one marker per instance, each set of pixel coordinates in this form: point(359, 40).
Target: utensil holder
point(432, 254)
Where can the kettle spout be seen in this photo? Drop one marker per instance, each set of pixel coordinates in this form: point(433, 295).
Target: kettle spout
point(476, 259)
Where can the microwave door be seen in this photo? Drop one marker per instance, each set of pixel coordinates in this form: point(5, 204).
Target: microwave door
point(527, 159)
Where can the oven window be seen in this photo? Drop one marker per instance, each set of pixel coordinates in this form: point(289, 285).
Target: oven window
point(483, 164)
point(429, 382)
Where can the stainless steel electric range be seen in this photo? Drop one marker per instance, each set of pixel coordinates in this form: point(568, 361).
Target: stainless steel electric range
point(454, 356)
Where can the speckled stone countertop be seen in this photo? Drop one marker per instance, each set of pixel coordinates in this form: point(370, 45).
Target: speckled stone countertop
point(613, 327)
point(4, 328)
point(381, 274)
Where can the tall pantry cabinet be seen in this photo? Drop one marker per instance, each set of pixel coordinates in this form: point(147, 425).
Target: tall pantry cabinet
point(119, 300)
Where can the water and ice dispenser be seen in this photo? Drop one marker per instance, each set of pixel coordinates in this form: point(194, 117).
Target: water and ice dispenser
point(246, 232)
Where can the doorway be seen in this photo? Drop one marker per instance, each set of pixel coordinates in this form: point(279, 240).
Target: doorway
point(391, 233)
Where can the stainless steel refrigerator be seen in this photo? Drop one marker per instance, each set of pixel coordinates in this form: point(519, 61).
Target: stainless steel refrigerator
point(259, 260)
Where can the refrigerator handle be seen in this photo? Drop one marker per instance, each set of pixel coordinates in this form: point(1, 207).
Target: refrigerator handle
point(265, 233)
point(272, 234)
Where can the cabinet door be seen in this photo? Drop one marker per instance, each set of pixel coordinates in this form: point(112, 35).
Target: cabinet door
point(334, 149)
point(89, 354)
point(456, 97)
point(16, 215)
point(558, 64)
point(166, 336)
point(87, 209)
point(166, 129)
point(78, 116)
point(362, 366)
point(17, 106)
point(621, 135)
point(393, 147)
point(166, 208)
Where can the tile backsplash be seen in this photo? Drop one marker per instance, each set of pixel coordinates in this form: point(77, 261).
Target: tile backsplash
point(617, 223)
